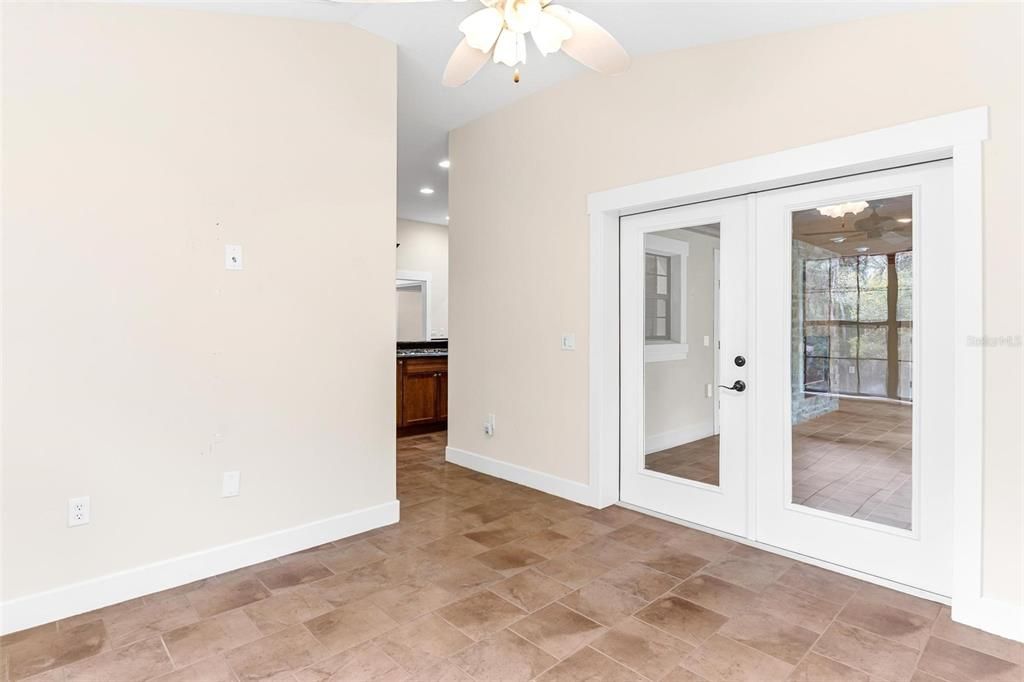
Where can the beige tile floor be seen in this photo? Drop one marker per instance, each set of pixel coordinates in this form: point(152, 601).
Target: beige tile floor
point(695, 461)
point(855, 461)
point(485, 580)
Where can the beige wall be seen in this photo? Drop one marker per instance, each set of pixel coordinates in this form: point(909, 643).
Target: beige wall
point(424, 248)
point(675, 401)
point(137, 142)
point(519, 240)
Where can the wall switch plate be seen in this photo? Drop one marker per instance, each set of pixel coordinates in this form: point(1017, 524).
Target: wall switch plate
point(231, 483)
point(78, 511)
point(709, 390)
point(707, 341)
point(568, 342)
point(232, 257)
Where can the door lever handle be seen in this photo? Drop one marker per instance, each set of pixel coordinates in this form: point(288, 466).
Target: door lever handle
point(737, 386)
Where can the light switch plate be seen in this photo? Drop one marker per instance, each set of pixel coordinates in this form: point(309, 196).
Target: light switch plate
point(568, 342)
point(231, 484)
point(232, 257)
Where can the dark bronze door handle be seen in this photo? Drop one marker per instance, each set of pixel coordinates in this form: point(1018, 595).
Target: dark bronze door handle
point(737, 386)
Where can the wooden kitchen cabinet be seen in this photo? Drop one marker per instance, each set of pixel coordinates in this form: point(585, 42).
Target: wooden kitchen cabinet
point(422, 393)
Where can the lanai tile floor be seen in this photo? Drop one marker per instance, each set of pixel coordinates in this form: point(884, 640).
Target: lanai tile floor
point(855, 461)
point(489, 581)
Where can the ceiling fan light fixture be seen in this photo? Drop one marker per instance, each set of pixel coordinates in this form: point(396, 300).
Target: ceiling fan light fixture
point(522, 16)
point(510, 49)
point(498, 32)
point(840, 210)
point(482, 28)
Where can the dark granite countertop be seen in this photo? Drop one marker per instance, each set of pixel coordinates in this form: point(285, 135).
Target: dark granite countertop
point(437, 348)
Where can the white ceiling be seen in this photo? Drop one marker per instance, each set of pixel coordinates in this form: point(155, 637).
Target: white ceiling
point(426, 33)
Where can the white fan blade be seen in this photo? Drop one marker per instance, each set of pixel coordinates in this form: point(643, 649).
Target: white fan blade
point(590, 44)
point(465, 62)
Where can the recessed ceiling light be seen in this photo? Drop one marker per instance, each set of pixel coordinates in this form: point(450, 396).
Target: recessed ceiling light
point(837, 240)
point(426, 190)
point(862, 249)
point(445, 164)
point(903, 220)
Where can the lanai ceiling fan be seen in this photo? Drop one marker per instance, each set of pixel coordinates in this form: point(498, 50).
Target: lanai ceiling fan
point(498, 33)
point(872, 226)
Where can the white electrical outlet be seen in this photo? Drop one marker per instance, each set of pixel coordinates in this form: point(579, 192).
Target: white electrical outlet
point(231, 484)
point(78, 511)
point(489, 426)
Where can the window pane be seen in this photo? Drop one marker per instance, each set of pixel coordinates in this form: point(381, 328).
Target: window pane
point(906, 335)
point(844, 341)
point(818, 306)
point(905, 269)
point(816, 275)
point(874, 342)
point(851, 419)
point(904, 305)
point(844, 305)
point(844, 376)
point(874, 305)
point(817, 346)
point(680, 401)
point(872, 377)
point(816, 375)
point(649, 263)
point(844, 273)
point(905, 380)
point(874, 272)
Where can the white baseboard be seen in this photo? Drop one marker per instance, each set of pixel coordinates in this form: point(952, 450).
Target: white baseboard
point(553, 485)
point(991, 615)
point(44, 607)
point(670, 439)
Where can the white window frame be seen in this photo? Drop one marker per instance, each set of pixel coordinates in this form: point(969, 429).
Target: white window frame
point(678, 251)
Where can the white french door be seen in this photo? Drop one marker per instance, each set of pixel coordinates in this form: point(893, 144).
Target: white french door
point(684, 330)
point(829, 329)
point(855, 380)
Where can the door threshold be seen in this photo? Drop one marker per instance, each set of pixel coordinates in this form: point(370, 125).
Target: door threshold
point(836, 568)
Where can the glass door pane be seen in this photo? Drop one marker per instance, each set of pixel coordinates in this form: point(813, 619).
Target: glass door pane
point(852, 340)
point(680, 347)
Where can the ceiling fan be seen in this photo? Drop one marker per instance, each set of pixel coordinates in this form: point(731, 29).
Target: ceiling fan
point(871, 226)
point(498, 32)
